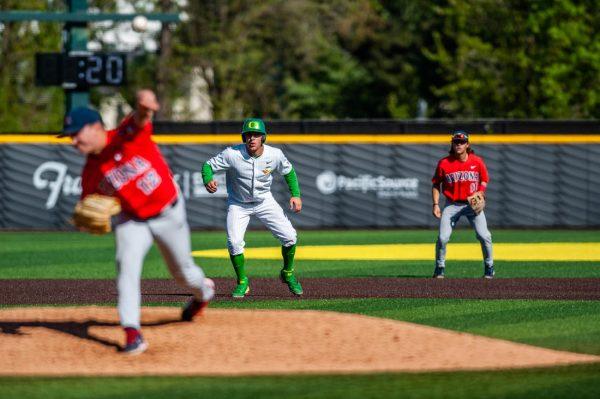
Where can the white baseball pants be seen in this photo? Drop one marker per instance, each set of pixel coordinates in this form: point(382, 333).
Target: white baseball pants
point(134, 238)
point(268, 212)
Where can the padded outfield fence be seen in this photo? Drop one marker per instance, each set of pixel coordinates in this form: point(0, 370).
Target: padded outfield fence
point(353, 174)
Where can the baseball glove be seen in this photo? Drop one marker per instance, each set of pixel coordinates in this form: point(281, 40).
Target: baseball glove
point(477, 202)
point(93, 213)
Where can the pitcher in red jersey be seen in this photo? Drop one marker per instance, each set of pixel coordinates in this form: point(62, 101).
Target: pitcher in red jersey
point(127, 164)
point(458, 176)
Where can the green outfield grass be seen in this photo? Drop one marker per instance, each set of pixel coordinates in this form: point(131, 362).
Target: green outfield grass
point(76, 255)
point(555, 383)
point(563, 325)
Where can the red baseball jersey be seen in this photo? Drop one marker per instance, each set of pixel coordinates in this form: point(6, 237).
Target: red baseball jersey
point(460, 179)
point(132, 169)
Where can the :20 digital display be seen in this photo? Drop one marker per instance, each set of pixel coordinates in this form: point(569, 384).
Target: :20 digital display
point(82, 70)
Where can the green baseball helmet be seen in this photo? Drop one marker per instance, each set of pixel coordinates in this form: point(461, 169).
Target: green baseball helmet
point(254, 125)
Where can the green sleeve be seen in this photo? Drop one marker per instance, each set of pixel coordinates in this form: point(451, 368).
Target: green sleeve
point(207, 173)
point(292, 181)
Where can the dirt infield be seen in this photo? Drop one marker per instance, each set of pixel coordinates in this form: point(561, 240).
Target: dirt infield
point(32, 292)
point(83, 341)
point(86, 340)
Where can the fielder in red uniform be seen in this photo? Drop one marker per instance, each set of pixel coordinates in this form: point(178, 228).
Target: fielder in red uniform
point(457, 176)
point(127, 164)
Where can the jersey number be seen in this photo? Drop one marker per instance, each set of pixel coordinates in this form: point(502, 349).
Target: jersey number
point(149, 182)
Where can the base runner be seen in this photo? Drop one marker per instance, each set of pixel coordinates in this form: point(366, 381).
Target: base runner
point(249, 173)
point(463, 178)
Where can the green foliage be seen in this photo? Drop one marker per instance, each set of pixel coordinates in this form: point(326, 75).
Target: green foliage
point(276, 59)
point(517, 59)
point(23, 106)
point(294, 59)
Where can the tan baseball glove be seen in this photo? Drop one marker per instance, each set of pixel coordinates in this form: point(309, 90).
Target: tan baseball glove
point(93, 213)
point(477, 202)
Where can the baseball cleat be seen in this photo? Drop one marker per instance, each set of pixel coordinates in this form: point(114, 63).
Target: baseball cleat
point(135, 342)
point(193, 308)
point(489, 272)
point(439, 272)
point(241, 289)
point(291, 281)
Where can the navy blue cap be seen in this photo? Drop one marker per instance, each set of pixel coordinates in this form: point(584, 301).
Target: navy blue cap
point(77, 118)
point(460, 135)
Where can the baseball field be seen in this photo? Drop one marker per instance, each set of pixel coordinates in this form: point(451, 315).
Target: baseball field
point(371, 324)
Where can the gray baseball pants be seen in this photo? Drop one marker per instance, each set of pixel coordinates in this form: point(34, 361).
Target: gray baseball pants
point(452, 212)
point(134, 238)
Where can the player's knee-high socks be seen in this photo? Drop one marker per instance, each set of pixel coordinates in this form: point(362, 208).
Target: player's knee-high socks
point(288, 254)
point(238, 263)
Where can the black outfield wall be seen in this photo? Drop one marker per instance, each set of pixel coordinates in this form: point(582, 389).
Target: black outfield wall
point(352, 173)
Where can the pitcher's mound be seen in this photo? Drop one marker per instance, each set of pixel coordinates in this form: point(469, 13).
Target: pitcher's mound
point(86, 340)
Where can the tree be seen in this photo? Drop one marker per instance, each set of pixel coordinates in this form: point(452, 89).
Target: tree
point(276, 59)
point(23, 106)
point(319, 59)
point(517, 59)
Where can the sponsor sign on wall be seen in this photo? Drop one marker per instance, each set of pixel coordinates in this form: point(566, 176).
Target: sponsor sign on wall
point(358, 185)
point(328, 182)
point(53, 178)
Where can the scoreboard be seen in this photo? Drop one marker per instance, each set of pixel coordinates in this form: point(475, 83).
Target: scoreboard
point(80, 70)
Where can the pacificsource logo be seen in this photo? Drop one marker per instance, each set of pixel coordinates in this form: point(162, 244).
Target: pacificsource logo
point(327, 182)
point(384, 187)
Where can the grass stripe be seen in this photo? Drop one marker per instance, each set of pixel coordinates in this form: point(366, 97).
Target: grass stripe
point(555, 251)
point(551, 383)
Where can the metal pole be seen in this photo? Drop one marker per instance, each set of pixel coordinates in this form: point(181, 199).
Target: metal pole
point(75, 37)
point(48, 16)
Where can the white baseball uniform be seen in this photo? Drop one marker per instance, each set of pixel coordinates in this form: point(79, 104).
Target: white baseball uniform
point(249, 182)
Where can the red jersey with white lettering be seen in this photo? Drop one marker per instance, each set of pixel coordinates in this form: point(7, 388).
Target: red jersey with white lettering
point(132, 169)
point(460, 179)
